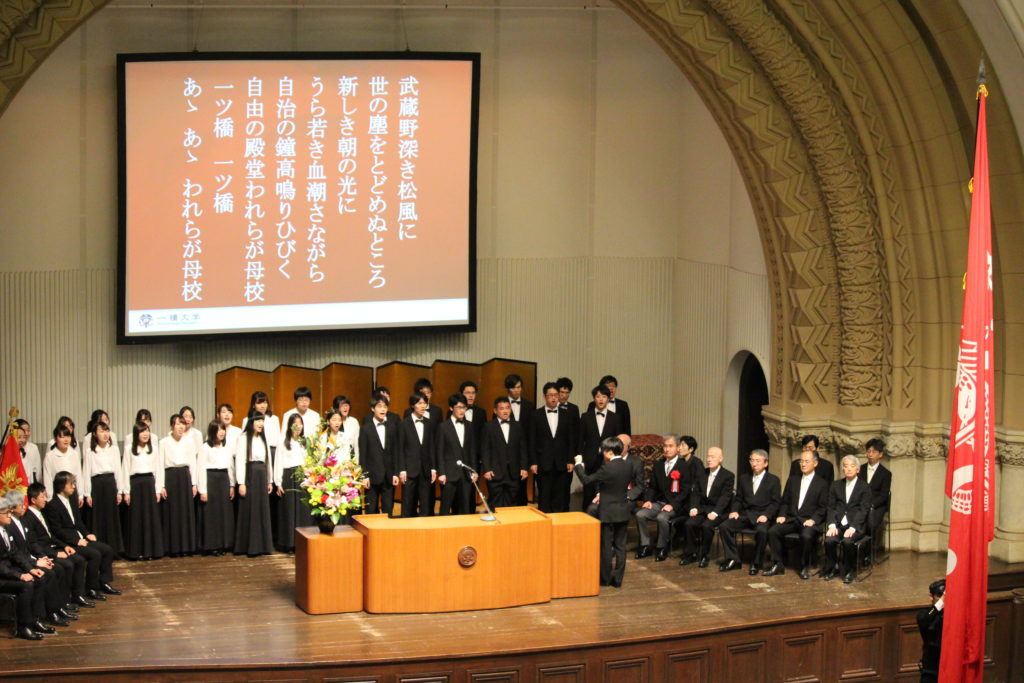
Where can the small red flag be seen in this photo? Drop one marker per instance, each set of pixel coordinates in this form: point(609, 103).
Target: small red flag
point(12, 469)
point(970, 471)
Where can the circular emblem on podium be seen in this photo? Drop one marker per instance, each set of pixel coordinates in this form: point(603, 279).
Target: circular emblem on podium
point(467, 556)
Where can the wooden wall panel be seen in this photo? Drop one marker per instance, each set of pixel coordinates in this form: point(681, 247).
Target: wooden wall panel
point(803, 658)
point(236, 386)
point(860, 653)
point(746, 661)
point(448, 375)
point(493, 375)
point(566, 673)
point(288, 378)
point(399, 377)
point(692, 666)
point(492, 676)
point(353, 381)
point(634, 670)
point(908, 648)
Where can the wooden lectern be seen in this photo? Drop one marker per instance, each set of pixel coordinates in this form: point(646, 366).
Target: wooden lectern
point(458, 562)
point(328, 570)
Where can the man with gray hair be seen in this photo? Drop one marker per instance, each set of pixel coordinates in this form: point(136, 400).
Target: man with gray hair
point(18, 577)
point(849, 502)
point(667, 497)
point(757, 500)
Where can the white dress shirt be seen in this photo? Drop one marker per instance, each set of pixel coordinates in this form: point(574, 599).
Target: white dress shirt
point(756, 481)
point(711, 480)
point(517, 405)
point(805, 483)
point(178, 453)
point(33, 463)
point(102, 461)
point(460, 430)
point(145, 462)
point(293, 456)
point(214, 458)
point(871, 471)
point(552, 416)
point(67, 506)
point(55, 461)
point(272, 427)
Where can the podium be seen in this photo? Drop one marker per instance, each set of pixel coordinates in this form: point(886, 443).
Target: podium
point(457, 562)
point(447, 564)
point(328, 570)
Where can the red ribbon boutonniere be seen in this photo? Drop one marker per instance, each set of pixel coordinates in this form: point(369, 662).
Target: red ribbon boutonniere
point(674, 475)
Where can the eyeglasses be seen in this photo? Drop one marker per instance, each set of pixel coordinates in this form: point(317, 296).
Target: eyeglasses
point(5, 512)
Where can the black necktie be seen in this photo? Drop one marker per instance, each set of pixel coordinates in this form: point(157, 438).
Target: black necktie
point(553, 411)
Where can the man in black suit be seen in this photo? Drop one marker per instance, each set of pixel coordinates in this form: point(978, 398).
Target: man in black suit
point(614, 479)
point(522, 412)
point(65, 523)
point(666, 498)
point(758, 496)
point(454, 445)
point(596, 425)
point(803, 509)
point(849, 501)
point(564, 386)
point(636, 489)
point(378, 456)
point(615, 405)
point(929, 623)
point(825, 469)
point(503, 455)
point(386, 393)
point(58, 584)
point(475, 415)
point(63, 555)
point(709, 504)
point(554, 447)
point(21, 578)
point(879, 479)
point(425, 387)
point(416, 452)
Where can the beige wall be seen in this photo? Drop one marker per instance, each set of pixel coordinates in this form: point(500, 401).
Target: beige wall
point(615, 234)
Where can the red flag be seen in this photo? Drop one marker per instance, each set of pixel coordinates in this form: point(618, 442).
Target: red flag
point(970, 472)
point(12, 469)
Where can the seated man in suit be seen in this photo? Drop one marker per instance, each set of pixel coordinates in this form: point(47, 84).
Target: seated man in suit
point(755, 505)
point(825, 470)
point(709, 504)
point(455, 451)
point(849, 501)
point(803, 509)
point(667, 497)
point(613, 478)
point(21, 578)
point(61, 553)
point(879, 479)
point(503, 455)
point(65, 523)
point(58, 583)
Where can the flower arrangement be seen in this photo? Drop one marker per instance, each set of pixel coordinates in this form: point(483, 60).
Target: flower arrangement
point(329, 477)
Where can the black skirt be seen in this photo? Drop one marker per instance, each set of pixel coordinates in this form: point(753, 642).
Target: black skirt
point(178, 512)
point(145, 536)
point(292, 511)
point(106, 519)
point(216, 520)
point(252, 531)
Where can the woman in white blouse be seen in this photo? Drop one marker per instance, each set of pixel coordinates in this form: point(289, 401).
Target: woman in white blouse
point(145, 477)
point(292, 509)
point(349, 425)
point(68, 424)
point(259, 402)
point(189, 416)
point(103, 486)
point(335, 439)
point(252, 454)
point(98, 415)
point(216, 468)
point(178, 459)
point(62, 456)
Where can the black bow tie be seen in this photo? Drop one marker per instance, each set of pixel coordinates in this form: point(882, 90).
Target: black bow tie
point(418, 421)
point(503, 422)
point(553, 411)
point(600, 414)
point(459, 422)
point(381, 424)
point(514, 400)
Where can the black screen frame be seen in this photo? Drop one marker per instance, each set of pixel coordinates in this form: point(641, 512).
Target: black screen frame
point(122, 238)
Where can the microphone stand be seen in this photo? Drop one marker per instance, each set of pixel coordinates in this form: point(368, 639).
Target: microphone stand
point(489, 517)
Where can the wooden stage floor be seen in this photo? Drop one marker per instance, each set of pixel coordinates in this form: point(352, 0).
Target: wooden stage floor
point(197, 612)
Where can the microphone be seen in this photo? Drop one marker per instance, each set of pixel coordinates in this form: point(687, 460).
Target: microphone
point(465, 466)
